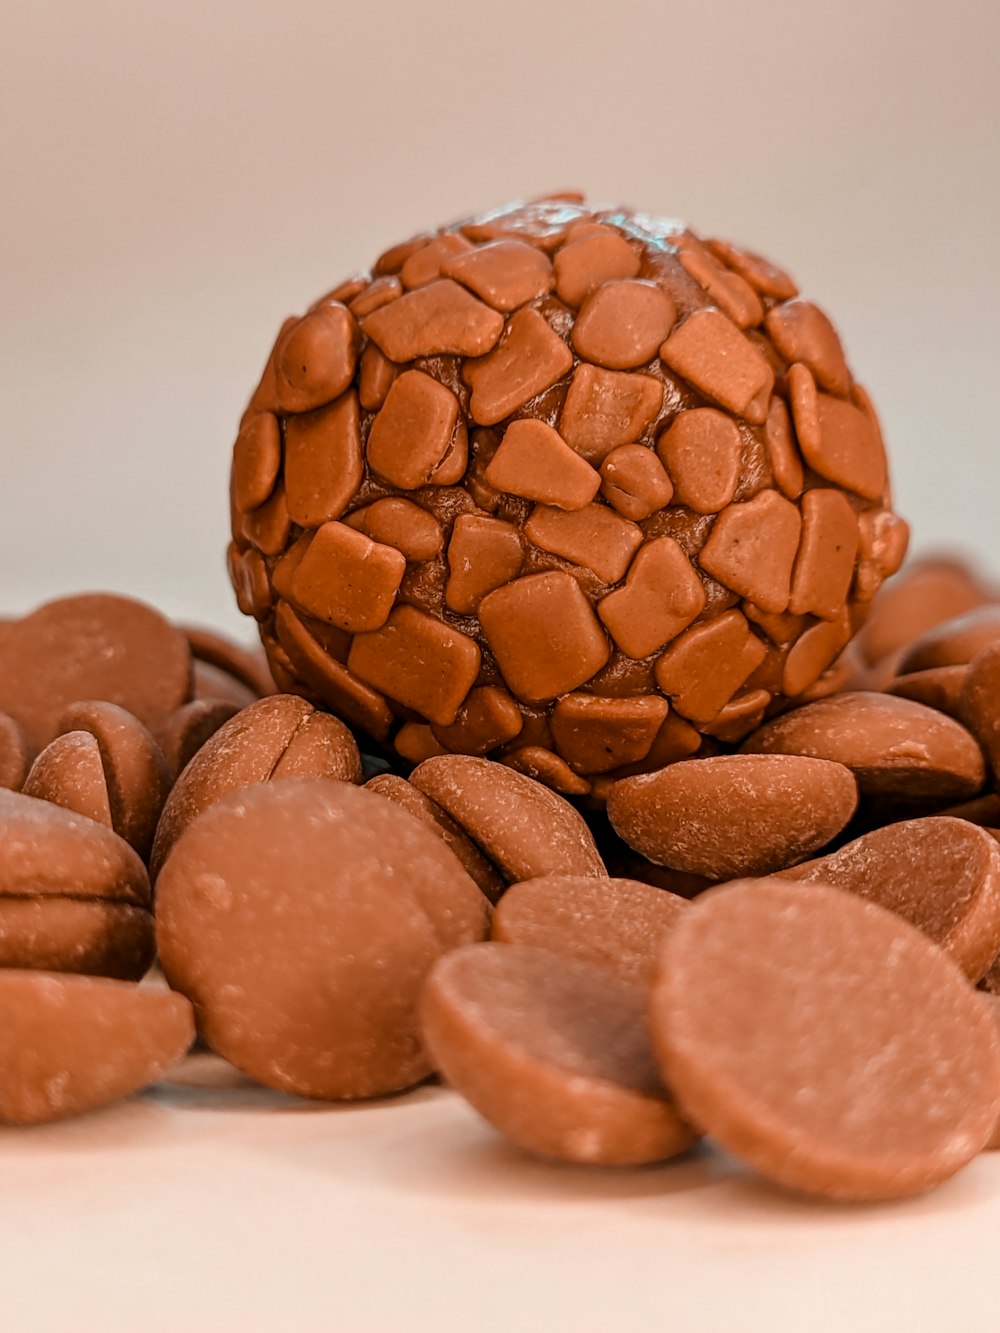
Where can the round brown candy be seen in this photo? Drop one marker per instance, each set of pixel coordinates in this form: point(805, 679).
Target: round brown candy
point(74, 896)
point(941, 874)
point(71, 1044)
point(248, 667)
point(894, 747)
point(94, 646)
point(927, 593)
point(824, 1041)
point(278, 737)
point(186, 731)
point(419, 805)
point(70, 774)
point(733, 815)
point(979, 703)
point(525, 829)
point(135, 771)
point(13, 754)
point(604, 485)
point(301, 918)
point(553, 1052)
point(57, 934)
point(48, 851)
point(953, 642)
point(616, 924)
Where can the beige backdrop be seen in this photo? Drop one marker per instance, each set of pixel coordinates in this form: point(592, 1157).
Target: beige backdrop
point(177, 177)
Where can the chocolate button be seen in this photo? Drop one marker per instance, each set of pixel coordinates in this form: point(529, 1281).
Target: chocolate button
point(524, 828)
point(301, 919)
point(953, 642)
point(74, 935)
point(416, 803)
point(942, 875)
point(13, 754)
point(553, 1052)
point(615, 924)
point(71, 1044)
point(893, 746)
point(880, 1073)
point(734, 814)
point(93, 646)
point(250, 749)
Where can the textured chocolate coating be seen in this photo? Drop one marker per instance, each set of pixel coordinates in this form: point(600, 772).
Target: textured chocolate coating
point(824, 1040)
point(553, 1052)
point(733, 815)
point(301, 918)
point(71, 1044)
point(547, 474)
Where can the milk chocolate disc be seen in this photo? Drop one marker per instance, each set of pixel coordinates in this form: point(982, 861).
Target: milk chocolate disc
point(733, 814)
point(13, 754)
point(277, 737)
point(824, 1040)
point(301, 918)
point(552, 1051)
point(93, 646)
point(894, 747)
point(524, 829)
point(55, 934)
point(46, 850)
point(616, 924)
point(429, 812)
point(940, 874)
point(70, 1044)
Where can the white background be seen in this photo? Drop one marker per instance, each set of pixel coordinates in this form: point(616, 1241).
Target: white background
point(178, 177)
point(174, 179)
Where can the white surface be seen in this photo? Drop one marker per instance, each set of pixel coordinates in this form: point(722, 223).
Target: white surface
point(176, 178)
point(211, 1206)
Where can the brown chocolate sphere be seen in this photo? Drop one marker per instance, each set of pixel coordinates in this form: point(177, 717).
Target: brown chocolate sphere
point(580, 491)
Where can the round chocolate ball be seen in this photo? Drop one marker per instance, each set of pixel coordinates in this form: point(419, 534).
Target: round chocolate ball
point(578, 490)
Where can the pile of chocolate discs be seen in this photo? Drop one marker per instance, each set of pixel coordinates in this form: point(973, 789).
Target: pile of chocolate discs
point(587, 763)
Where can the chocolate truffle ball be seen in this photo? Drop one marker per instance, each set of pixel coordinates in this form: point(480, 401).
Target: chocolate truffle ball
point(577, 490)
